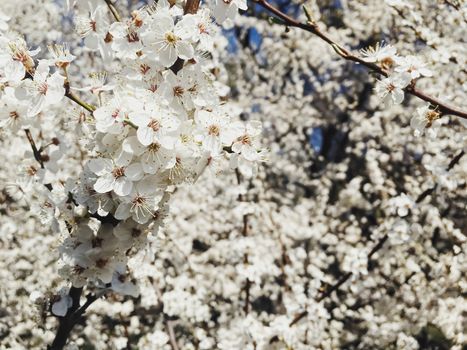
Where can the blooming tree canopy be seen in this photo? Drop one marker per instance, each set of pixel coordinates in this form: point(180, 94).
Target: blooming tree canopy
point(233, 175)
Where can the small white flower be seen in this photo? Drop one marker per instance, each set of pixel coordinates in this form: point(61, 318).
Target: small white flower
point(385, 55)
point(126, 42)
point(44, 91)
point(168, 41)
point(121, 284)
point(217, 130)
point(142, 203)
point(154, 124)
point(115, 177)
point(246, 143)
point(402, 204)
point(62, 304)
point(391, 89)
point(426, 121)
point(414, 66)
point(61, 55)
point(228, 9)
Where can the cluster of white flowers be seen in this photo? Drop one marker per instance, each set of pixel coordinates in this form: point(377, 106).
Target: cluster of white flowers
point(403, 71)
point(161, 125)
point(122, 135)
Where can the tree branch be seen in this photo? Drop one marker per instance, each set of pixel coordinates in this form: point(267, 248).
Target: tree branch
point(340, 282)
point(72, 317)
point(114, 10)
point(313, 28)
point(246, 307)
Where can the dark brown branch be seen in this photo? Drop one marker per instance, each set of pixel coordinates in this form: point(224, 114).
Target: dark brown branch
point(378, 245)
point(72, 317)
point(114, 10)
point(191, 7)
point(246, 307)
point(313, 28)
point(341, 281)
point(36, 153)
point(430, 190)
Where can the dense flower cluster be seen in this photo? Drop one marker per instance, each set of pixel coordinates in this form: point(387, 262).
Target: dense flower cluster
point(120, 148)
point(161, 125)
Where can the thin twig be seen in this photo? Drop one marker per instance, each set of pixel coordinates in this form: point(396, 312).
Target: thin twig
point(430, 190)
point(313, 28)
point(72, 317)
point(341, 281)
point(37, 154)
point(378, 245)
point(76, 99)
point(114, 10)
point(170, 330)
point(246, 307)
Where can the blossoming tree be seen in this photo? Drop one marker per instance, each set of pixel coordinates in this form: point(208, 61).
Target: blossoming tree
point(179, 176)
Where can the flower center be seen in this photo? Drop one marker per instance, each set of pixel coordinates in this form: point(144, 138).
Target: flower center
point(138, 200)
point(245, 139)
point(101, 263)
point(118, 172)
point(14, 115)
point(214, 130)
point(31, 171)
point(96, 242)
point(144, 68)
point(387, 62)
point(171, 38)
point(430, 117)
point(154, 124)
point(132, 37)
point(391, 87)
point(202, 28)
point(154, 147)
point(135, 233)
point(93, 25)
point(43, 88)
point(78, 269)
point(178, 91)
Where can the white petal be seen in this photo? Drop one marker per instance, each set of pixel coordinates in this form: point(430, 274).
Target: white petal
point(185, 50)
point(104, 183)
point(100, 166)
point(14, 71)
point(122, 213)
point(145, 135)
point(134, 172)
point(122, 186)
point(397, 96)
point(168, 55)
point(60, 308)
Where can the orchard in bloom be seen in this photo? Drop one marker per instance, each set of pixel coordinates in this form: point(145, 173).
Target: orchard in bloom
point(233, 174)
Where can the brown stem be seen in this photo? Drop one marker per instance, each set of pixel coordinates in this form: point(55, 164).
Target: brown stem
point(191, 6)
point(378, 245)
point(313, 28)
point(340, 282)
point(114, 10)
point(246, 307)
point(72, 317)
point(37, 154)
point(76, 99)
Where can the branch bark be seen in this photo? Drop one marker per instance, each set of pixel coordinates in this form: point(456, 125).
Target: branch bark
point(72, 317)
point(312, 27)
